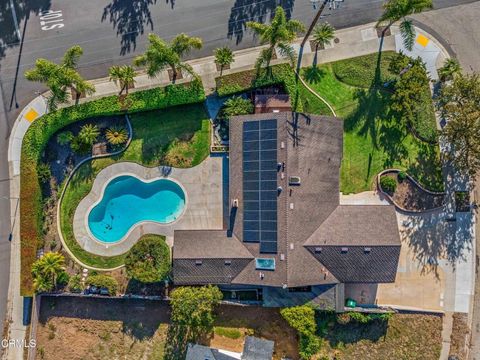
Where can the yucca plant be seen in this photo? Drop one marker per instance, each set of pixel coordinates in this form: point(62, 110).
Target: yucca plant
point(116, 135)
point(223, 57)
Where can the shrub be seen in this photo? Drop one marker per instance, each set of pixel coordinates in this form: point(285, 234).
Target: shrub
point(402, 175)
point(64, 137)
point(63, 278)
point(247, 80)
point(302, 319)
point(388, 184)
point(148, 260)
point(79, 146)
point(116, 135)
point(359, 317)
point(40, 131)
point(44, 173)
point(343, 318)
point(309, 346)
point(89, 134)
point(103, 281)
point(237, 105)
point(75, 283)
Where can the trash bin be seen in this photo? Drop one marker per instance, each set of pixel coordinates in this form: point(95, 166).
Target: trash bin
point(350, 303)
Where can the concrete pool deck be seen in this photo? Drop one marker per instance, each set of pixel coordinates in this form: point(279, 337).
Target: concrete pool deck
point(203, 189)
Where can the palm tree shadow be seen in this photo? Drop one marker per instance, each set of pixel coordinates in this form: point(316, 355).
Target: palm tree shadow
point(253, 10)
point(373, 117)
point(314, 74)
point(129, 17)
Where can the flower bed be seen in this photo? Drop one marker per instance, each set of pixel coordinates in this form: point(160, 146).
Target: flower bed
point(408, 194)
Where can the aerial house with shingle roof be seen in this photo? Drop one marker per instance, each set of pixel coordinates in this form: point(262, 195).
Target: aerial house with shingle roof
point(287, 233)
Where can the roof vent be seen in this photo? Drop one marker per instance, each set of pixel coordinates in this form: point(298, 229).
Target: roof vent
point(235, 203)
point(282, 145)
point(294, 180)
point(318, 250)
point(367, 250)
point(282, 257)
point(228, 262)
point(344, 250)
point(198, 262)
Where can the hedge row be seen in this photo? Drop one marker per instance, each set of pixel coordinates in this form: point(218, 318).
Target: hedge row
point(38, 134)
point(281, 74)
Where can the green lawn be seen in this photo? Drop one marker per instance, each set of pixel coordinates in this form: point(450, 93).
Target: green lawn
point(374, 138)
point(178, 136)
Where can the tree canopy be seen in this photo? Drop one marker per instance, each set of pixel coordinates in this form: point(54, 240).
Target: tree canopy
point(193, 307)
point(460, 106)
point(410, 88)
point(148, 260)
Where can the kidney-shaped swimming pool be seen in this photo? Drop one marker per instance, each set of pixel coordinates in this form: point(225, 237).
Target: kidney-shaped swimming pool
point(128, 200)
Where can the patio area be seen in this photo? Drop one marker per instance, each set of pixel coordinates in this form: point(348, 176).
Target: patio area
point(203, 188)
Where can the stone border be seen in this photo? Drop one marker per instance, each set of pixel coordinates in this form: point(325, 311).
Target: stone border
point(85, 212)
point(386, 171)
point(67, 182)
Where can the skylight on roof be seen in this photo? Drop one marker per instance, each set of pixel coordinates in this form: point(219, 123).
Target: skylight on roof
point(265, 264)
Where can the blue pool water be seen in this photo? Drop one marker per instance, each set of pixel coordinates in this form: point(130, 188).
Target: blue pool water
point(128, 200)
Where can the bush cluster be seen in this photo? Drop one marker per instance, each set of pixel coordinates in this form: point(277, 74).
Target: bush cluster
point(388, 184)
point(38, 134)
point(302, 319)
point(148, 260)
point(361, 318)
point(103, 281)
point(240, 82)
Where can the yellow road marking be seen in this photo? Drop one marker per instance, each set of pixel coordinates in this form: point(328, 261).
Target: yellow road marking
point(31, 115)
point(422, 40)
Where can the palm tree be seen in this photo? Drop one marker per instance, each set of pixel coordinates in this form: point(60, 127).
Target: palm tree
point(161, 55)
point(279, 34)
point(223, 57)
point(46, 271)
point(125, 75)
point(60, 77)
point(395, 10)
point(449, 69)
point(88, 134)
point(323, 35)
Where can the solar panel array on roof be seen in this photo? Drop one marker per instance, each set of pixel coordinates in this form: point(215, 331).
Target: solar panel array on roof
point(260, 184)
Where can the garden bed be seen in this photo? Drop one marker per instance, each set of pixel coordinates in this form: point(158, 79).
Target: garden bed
point(408, 195)
point(39, 133)
point(177, 136)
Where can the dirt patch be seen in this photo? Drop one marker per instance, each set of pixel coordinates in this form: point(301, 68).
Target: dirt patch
point(94, 328)
point(411, 197)
point(459, 337)
point(404, 336)
point(262, 322)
